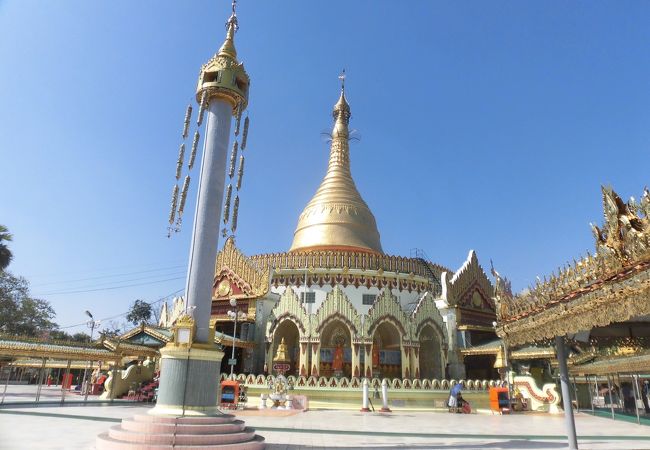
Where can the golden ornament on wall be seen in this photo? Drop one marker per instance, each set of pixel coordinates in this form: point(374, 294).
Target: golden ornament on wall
point(223, 288)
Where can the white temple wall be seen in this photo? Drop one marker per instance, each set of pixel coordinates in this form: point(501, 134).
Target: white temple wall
point(354, 294)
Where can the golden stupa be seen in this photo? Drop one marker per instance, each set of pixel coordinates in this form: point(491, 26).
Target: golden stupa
point(337, 218)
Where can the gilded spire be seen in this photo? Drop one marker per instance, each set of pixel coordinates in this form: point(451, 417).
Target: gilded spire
point(223, 76)
point(337, 217)
point(228, 47)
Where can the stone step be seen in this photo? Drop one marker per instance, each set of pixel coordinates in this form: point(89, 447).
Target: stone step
point(182, 428)
point(105, 442)
point(198, 420)
point(119, 433)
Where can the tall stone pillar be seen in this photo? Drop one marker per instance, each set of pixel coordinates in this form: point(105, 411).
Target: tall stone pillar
point(190, 369)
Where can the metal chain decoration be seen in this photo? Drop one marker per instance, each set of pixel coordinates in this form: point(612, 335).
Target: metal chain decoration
point(236, 147)
point(178, 203)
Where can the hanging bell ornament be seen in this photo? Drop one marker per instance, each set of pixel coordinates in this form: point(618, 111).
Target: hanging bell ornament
point(238, 118)
point(186, 123)
point(235, 213)
point(226, 207)
point(179, 163)
point(181, 204)
point(195, 145)
point(172, 213)
point(244, 136)
point(240, 172)
point(233, 159)
point(199, 119)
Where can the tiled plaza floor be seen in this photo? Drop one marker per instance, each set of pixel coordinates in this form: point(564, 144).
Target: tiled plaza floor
point(75, 427)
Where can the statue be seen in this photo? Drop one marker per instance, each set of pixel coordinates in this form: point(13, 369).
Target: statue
point(281, 354)
point(337, 362)
point(375, 355)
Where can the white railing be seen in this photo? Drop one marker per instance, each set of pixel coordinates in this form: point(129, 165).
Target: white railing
point(355, 383)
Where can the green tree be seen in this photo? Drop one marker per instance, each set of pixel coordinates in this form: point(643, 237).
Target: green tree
point(140, 312)
point(112, 330)
point(19, 313)
point(5, 253)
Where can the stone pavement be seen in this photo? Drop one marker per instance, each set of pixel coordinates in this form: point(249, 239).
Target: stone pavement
point(75, 427)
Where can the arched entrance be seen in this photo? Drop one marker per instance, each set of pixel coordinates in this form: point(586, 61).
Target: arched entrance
point(289, 331)
point(430, 362)
point(335, 344)
point(387, 351)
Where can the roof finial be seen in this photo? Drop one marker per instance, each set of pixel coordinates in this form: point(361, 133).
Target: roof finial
point(232, 20)
point(228, 47)
point(342, 78)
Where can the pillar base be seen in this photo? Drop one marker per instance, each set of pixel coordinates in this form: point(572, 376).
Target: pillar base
point(189, 381)
point(145, 432)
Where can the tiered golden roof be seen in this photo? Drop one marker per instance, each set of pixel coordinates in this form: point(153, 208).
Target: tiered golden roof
point(223, 76)
point(337, 218)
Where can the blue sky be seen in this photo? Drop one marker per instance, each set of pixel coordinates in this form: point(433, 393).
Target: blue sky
point(485, 125)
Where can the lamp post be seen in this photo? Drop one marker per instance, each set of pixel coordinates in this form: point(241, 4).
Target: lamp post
point(234, 314)
point(92, 324)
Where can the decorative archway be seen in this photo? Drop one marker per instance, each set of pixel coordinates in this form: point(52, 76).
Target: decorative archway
point(426, 318)
point(387, 350)
point(430, 353)
point(288, 311)
point(387, 309)
point(288, 330)
point(336, 308)
point(336, 349)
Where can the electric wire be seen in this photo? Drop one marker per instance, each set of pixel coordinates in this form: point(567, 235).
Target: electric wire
point(109, 284)
point(102, 269)
point(107, 276)
point(172, 294)
point(110, 288)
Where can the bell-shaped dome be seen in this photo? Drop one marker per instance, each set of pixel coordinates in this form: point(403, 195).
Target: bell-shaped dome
point(337, 218)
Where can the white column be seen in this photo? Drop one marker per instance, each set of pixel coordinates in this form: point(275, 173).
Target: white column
point(364, 401)
point(205, 235)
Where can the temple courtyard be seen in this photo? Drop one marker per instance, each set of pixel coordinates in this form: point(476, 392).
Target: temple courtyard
point(75, 426)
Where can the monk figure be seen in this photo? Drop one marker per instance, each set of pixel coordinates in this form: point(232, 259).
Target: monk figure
point(337, 362)
point(375, 356)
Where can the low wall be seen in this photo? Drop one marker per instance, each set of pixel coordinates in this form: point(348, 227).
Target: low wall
point(402, 393)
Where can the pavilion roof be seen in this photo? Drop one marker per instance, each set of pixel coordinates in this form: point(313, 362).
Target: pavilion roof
point(494, 347)
point(611, 286)
point(620, 364)
point(161, 333)
point(105, 350)
point(227, 341)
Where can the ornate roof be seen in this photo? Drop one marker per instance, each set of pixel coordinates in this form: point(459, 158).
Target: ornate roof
point(337, 218)
point(237, 276)
point(611, 286)
point(105, 350)
point(605, 366)
point(494, 347)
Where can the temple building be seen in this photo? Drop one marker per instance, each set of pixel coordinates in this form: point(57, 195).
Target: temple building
point(343, 306)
